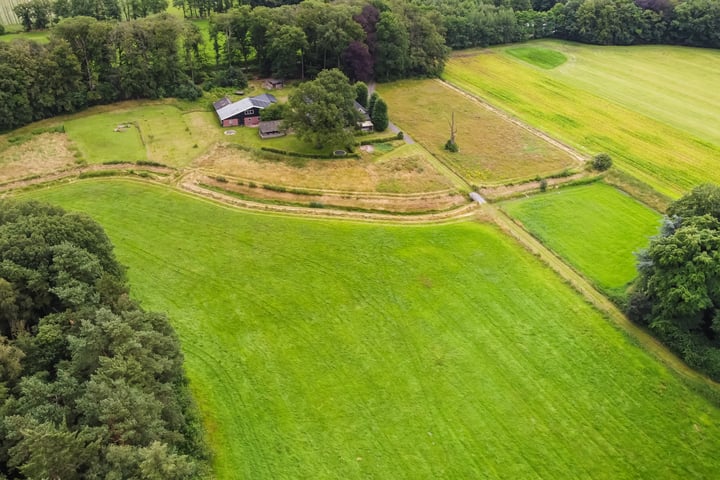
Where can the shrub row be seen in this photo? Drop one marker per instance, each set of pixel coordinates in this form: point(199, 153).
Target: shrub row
point(380, 140)
point(305, 155)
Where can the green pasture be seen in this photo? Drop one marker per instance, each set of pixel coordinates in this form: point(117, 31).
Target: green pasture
point(329, 349)
point(595, 114)
point(40, 36)
point(595, 227)
point(493, 150)
point(160, 133)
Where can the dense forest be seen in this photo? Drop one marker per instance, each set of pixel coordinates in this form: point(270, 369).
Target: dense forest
point(102, 51)
point(91, 386)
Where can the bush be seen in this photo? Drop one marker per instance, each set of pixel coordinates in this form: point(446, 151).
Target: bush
point(275, 111)
point(232, 77)
point(451, 146)
point(400, 135)
point(601, 162)
point(2, 29)
point(187, 91)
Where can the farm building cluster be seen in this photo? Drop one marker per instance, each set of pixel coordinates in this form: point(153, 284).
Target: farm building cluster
point(246, 112)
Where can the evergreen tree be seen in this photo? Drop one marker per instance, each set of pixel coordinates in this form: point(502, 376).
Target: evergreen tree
point(380, 116)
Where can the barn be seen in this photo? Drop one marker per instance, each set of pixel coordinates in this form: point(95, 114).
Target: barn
point(243, 112)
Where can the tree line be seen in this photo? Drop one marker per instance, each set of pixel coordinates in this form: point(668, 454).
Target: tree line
point(91, 386)
point(88, 61)
point(468, 23)
point(387, 41)
point(93, 58)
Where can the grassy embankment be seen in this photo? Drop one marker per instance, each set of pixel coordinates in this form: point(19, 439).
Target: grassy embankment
point(653, 109)
point(493, 150)
point(595, 228)
point(325, 349)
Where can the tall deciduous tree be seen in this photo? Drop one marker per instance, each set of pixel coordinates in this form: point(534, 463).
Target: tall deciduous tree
point(677, 293)
point(393, 48)
point(321, 111)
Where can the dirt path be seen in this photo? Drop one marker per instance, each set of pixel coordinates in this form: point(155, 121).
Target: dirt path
point(566, 148)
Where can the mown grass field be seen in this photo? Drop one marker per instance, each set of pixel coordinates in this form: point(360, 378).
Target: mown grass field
point(7, 15)
point(614, 104)
point(160, 133)
point(328, 349)
point(595, 227)
point(492, 149)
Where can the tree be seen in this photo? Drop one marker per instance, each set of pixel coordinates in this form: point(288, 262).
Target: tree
point(371, 103)
point(697, 22)
point(601, 162)
point(357, 62)
point(677, 292)
point(361, 94)
point(393, 47)
point(287, 46)
point(322, 110)
point(380, 116)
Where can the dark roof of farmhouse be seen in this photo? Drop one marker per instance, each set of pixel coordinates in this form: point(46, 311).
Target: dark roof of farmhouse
point(227, 110)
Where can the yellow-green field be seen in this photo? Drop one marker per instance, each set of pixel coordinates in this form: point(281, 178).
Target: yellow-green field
point(653, 109)
point(7, 15)
point(493, 149)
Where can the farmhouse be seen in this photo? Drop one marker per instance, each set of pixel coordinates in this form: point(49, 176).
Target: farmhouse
point(364, 122)
point(243, 112)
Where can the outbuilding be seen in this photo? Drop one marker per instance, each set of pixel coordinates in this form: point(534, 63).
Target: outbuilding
point(243, 112)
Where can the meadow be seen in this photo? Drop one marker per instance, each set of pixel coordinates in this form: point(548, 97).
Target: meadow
point(142, 131)
point(493, 150)
point(405, 169)
point(329, 349)
point(619, 100)
point(595, 228)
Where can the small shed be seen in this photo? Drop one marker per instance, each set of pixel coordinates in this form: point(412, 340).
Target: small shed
point(271, 129)
point(274, 83)
point(363, 122)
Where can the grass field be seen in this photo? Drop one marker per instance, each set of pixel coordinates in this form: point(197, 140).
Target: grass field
point(157, 132)
point(596, 228)
point(327, 349)
point(614, 104)
point(492, 149)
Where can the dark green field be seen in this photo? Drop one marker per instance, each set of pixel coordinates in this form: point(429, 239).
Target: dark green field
point(328, 349)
